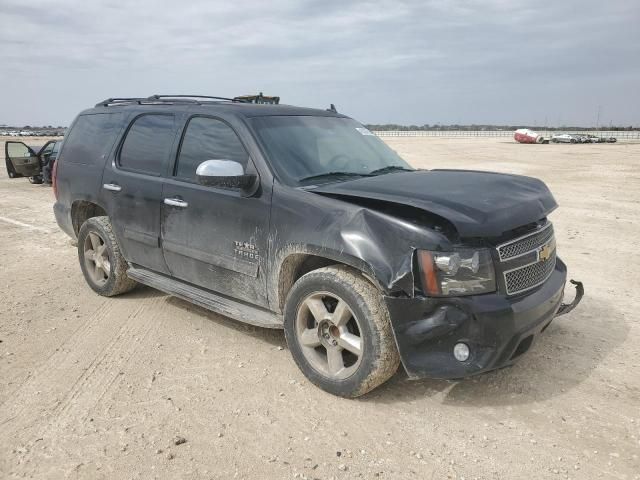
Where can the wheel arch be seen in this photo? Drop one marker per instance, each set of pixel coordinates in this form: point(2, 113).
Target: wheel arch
point(295, 264)
point(82, 210)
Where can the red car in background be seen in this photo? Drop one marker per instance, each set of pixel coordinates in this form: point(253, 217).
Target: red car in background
point(524, 135)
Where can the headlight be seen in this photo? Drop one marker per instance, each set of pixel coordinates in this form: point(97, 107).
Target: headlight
point(462, 272)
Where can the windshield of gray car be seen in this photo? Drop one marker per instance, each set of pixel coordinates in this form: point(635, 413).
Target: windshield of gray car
point(307, 150)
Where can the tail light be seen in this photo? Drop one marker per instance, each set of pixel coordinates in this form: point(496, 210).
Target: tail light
point(54, 179)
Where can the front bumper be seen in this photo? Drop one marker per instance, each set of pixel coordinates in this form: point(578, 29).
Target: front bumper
point(497, 328)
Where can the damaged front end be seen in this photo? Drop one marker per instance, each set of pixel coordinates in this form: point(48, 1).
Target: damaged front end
point(567, 307)
point(466, 261)
point(454, 337)
point(480, 325)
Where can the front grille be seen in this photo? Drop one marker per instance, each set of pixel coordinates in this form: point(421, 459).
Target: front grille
point(526, 244)
point(530, 276)
point(529, 260)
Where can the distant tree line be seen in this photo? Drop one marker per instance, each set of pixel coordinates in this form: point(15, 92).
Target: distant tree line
point(474, 127)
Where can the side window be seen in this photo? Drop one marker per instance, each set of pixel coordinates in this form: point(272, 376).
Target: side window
point(91, 138)
point(49, 148)
point(147, 145)
point(18, 150)
point(208, 139)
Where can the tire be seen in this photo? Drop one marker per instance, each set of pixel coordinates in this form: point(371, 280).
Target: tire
point(327, 350)
point(36, 179)
point(108, 275)
point(573, 140)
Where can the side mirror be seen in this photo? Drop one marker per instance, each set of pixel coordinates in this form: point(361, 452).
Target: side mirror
point(224, 174)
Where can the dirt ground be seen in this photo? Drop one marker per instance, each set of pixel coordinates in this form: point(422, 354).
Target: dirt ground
point(92, 387)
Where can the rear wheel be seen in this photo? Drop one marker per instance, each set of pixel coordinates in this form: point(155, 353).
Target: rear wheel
point(101, 261)
point(339, 333)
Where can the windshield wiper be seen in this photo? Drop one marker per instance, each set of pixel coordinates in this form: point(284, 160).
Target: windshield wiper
point(333, 175)
point(390, 168)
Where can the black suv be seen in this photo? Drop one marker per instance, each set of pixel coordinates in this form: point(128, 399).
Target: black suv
point(302, 219)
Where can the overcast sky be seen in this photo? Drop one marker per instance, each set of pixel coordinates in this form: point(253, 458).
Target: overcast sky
point(409, 62)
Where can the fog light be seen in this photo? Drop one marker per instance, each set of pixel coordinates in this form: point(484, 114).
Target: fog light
point(461, 352)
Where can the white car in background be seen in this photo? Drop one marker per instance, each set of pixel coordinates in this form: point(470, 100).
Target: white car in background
point(564, 138)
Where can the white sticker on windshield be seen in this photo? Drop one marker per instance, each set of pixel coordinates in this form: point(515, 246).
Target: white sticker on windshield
point(364, 131)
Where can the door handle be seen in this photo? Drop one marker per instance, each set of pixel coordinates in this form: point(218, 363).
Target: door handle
point(176, 202)
point(112, 187)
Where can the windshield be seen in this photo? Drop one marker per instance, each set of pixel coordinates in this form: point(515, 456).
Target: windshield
point(307, 150)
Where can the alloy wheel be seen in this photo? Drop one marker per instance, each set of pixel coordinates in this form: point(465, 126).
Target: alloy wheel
point(96, 258)
point(329, 335)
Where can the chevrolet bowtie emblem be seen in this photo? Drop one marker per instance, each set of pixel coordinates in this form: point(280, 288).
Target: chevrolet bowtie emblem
point(545, 252)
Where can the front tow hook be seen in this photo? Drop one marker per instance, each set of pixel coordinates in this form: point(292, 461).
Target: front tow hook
point(567, 307)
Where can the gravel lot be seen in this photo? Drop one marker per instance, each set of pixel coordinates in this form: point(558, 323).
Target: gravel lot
point(102, 388)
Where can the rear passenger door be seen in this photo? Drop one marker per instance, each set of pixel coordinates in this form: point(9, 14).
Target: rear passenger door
point(132, 187)
point(215, 238)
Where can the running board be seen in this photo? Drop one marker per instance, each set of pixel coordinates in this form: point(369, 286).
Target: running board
point(211, 301)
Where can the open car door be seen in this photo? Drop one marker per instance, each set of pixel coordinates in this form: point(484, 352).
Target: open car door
point(21, 160)
point(44, 154)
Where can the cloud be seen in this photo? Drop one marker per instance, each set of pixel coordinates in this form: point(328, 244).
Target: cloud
point(380, 61)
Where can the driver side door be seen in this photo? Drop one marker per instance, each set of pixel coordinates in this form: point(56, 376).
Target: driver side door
point(21, 160)
point(213, 237)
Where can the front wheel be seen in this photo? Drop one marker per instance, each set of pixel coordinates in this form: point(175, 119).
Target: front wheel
point(338, 329)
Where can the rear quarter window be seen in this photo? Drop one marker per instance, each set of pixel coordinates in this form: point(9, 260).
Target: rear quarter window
point(91, 138)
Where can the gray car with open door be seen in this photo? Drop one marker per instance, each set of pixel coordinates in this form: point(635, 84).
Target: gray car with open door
point(23, 160)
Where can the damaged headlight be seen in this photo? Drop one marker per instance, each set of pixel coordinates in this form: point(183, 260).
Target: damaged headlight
point(462, 272)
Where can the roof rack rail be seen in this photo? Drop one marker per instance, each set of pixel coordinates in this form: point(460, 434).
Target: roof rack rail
point(110, 101)
point(160, 97)
point(152, 99)
point(197, 99)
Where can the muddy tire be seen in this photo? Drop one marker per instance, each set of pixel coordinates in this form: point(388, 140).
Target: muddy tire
point(338, 331)
point(103, 266)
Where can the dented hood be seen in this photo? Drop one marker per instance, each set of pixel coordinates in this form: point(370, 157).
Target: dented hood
point(478, 204)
